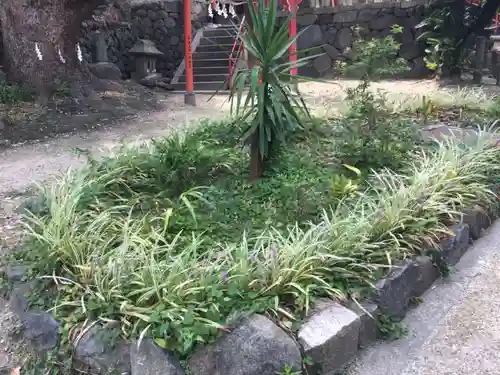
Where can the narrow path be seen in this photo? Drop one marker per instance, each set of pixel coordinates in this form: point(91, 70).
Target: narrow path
point(456, 330)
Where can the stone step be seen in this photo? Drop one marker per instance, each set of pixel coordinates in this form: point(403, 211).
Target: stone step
point(220, 31)
point(211, 55)
point(214, 47)
point(206, 77)
point(216, 40)
point(211, 69)
point(211, 62)
point(203, 86)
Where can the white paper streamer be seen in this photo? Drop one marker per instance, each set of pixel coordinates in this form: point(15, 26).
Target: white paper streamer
point(232, 11)
point(79, 54)
point(63, 60)
point(210, 11)
point(38, 52)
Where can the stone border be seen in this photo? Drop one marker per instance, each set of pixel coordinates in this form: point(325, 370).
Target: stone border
point(329, 338)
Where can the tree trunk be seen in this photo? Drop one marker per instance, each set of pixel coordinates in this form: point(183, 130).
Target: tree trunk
point(52, 27)
point(256, 159)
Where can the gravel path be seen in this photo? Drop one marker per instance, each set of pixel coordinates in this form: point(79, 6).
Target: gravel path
point(26, 164)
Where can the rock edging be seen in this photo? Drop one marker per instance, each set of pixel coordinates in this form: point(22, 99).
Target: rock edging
point(331, 336)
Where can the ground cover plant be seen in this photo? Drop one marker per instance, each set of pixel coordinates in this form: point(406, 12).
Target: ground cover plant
point(173, 241)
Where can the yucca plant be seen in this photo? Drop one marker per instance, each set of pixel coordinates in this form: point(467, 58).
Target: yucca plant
point(266, 95)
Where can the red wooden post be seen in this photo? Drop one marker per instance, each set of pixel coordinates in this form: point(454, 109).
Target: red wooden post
point(189, 96)
point(291, 6)
point(292, 32)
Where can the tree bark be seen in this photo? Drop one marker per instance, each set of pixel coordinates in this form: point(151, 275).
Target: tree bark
point(52, 27)
point(256, 160)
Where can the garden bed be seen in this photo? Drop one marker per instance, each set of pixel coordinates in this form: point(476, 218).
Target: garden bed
point(171, 245)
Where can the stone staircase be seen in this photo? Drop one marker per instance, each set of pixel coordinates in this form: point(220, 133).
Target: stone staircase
point(210, 60)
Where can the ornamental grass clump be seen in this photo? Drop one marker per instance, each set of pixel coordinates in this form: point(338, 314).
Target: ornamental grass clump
point(127, 263)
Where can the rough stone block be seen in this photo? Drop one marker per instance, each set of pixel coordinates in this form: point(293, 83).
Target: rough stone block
point(394, 292)
point(409, 51)
point(41, 331)
point(306, 19)
point(344, 38)
point(333, 52)
point(368, 318)
point(477, 219)
point(398, 12)
point(19, 298)
point(149, 359)
point(322, 63)
point(407, 36)
point(428, 274)
point(455, 245)
point(15, 273)
point(256, 347)
point(347, 16)
point(105, 70)
point(98, 350)
point(173, 6)
point(366, 15)
point(330, 337)
point(311, 37)
point(383, 22)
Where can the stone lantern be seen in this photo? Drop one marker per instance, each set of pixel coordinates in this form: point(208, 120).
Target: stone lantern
point(146, 55)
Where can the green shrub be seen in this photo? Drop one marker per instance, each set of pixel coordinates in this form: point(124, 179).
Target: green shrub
point(370, 135)
point(374, 58)
point(14, 94)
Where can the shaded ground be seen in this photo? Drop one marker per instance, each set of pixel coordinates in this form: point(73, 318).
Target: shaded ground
point(24, 164)
point(119, 101)
point(35, 162)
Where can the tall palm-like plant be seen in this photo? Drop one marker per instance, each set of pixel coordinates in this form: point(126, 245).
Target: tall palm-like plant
point(266, 95)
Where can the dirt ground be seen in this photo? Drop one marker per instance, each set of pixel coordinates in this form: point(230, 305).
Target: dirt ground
point(26, 163)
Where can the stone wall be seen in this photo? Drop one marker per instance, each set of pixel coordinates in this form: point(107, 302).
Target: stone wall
point(332, 28)
point(1, 47)
point(160, 21)
point(329, 27)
